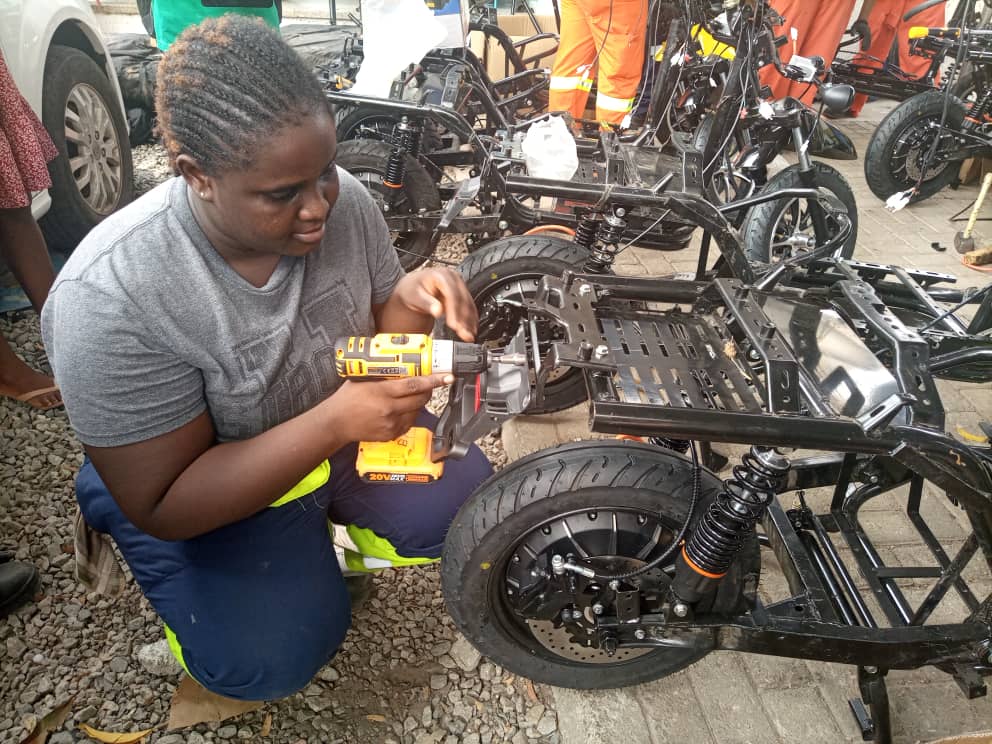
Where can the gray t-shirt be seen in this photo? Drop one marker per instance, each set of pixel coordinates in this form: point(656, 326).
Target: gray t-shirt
point(147, 326)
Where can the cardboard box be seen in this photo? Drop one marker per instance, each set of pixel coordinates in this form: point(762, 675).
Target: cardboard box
point(518, 27)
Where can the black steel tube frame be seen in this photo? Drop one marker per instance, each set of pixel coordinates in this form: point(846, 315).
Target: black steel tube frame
point(826, 618)
point(905, 647)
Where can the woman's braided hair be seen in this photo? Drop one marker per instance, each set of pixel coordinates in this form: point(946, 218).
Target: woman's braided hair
point(225, 85)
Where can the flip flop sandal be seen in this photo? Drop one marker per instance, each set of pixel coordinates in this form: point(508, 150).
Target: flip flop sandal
point(32, 394)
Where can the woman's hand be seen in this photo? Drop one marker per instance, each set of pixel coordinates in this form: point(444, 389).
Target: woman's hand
point(436, 293)
point(380, 410)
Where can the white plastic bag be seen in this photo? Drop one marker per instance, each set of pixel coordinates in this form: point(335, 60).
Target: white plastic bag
point(549, 150)
point(394, 34)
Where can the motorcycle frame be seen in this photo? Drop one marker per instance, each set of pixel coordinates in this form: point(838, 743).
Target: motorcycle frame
point(504, 192)
point(897, 443)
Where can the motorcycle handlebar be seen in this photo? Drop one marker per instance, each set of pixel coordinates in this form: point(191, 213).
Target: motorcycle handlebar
point(921, 7)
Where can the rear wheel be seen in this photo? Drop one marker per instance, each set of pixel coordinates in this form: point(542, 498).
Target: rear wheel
point(504, 273)
point(366, 160)
point(614, 506)
point(897, 158)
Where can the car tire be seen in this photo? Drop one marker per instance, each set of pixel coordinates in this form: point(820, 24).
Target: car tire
point(93, 174)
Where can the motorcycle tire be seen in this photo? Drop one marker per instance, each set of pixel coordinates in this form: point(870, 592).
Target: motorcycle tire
point(369, 123)
point(514, 266)
point(720, 186)
point(367, 160)
point(901, 124)
point(763, 229)
point(615, 484)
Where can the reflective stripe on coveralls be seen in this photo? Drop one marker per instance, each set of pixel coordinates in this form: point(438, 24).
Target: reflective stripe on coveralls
point(887, 25)
point(605, 38)
point(820, 26)
point(373, 552)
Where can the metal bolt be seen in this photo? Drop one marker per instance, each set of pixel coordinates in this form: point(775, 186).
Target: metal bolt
point(385, 207)
point(602, 350)
point(610, 645)
point(502, 224)
point(614, 585)
point(584, 289)
point(640, 634)
point(871, 670)
point(621, 212)
point(558, 565)
point(681, 609)
point(566, 615)
point(597, 609)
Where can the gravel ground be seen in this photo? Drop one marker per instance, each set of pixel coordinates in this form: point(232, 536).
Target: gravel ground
point(403, 676)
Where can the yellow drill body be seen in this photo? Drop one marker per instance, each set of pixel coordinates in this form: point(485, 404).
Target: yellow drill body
point(391, 356)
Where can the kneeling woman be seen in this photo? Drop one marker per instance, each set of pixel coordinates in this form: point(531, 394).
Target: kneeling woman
point(192, 336)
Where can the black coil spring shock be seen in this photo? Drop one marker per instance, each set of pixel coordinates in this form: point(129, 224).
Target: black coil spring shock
point(949, 76)
point(978, 111)
point(607, 246)
point(409, 144)
point(712, 546)
point(586, 231)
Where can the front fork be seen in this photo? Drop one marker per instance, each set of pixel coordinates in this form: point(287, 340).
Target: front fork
point(807, 173)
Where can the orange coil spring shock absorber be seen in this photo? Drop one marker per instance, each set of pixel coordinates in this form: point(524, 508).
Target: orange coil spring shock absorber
point(408, 144)
point(710, 549)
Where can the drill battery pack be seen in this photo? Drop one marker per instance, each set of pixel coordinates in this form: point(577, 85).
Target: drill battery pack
point(406, 459)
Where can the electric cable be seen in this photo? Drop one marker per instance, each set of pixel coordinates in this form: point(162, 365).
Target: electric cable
point(679, 538)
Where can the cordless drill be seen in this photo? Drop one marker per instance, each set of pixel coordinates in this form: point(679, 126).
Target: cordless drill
point(392, 356)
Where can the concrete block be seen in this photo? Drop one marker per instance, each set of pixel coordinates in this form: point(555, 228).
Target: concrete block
point(935, 710)
point(673, 712)
point(600, 717)
point(732, 708)
point(801, 715)
point(527, 434)
point(776, 673)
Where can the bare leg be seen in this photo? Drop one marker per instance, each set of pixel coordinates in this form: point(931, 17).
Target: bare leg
point(22, 248)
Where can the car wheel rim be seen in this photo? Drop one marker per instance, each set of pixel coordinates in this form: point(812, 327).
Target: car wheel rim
point(93, 149)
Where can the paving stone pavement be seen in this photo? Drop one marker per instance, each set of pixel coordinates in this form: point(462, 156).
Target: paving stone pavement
point(730, 698)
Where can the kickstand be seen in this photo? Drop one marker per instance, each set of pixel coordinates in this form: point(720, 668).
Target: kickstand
point(875, 725)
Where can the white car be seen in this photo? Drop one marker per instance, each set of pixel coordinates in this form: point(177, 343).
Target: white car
point(58, 59)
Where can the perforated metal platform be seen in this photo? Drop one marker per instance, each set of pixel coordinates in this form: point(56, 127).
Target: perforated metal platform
point(676, 359)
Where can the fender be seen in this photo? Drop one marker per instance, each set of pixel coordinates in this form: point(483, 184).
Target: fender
point(827, 140)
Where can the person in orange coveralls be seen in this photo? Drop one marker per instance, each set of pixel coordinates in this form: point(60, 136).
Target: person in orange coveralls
point(602, 39)
point(885, 21)
point(820, 25)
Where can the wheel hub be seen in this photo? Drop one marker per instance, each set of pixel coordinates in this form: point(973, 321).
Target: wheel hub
point(499, 319)
point(794, 231)
point(562, 611)
point(93, 149)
